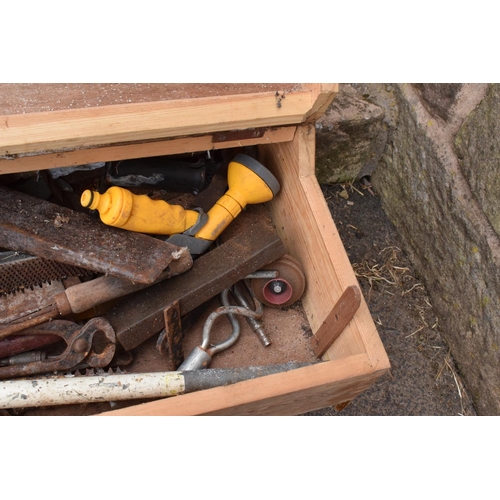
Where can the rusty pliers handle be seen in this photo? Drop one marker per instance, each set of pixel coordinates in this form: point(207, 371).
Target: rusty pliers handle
point(81, 343)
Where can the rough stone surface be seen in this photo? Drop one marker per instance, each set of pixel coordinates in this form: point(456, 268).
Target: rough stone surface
point(438, 98)
point(443, 209)
point(350, 138)
point(478, 148)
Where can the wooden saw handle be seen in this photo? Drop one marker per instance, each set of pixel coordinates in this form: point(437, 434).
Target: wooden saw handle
point(82, 297)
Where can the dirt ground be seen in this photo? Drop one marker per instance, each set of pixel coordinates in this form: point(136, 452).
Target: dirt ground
point(423, 379)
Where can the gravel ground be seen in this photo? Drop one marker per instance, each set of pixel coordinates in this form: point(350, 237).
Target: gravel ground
point(423, 379)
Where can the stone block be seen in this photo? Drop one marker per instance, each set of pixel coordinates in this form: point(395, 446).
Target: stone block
point(350, 138)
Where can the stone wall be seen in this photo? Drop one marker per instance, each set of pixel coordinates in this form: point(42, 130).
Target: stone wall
point(436, 149)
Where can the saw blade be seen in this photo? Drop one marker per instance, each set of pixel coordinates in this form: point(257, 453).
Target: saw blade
point(20, 272)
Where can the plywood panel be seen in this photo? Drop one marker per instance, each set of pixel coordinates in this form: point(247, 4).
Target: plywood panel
point(20, 98)
point(69, 129)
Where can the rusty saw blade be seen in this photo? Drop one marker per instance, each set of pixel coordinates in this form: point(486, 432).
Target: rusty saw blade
point(22, 272)
point(35, 226)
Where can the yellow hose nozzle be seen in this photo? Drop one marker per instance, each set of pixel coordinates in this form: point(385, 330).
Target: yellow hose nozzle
point(120, 208)
point(249, 183)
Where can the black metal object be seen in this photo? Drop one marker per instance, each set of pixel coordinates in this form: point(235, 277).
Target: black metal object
point(177, 176)
point(199, 380)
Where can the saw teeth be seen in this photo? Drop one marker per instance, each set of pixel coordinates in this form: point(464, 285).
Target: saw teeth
point(83, 372)
point(23, 272)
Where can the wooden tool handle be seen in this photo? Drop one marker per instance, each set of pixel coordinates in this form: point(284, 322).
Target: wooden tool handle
point(84, 296)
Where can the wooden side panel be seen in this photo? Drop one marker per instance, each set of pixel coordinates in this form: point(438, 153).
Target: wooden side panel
point(306, 228)
point(139, 150)
point(290, 393)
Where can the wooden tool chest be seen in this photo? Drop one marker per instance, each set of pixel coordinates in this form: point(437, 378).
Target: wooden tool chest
point(49, 126)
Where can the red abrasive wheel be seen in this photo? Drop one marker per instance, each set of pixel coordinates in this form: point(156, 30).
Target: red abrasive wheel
point(284, 290)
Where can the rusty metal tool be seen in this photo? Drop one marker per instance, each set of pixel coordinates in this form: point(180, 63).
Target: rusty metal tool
point(19, 272)
point(169, 341)
point(37, 227)
point(22, 304)
point(51, 391)
point(24, 358)
point(247, 245)
point(95, 343)
point(29, 283)
point(337, 320)
point(82, 297)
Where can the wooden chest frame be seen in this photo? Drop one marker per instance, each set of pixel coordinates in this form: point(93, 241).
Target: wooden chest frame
point(281, 124)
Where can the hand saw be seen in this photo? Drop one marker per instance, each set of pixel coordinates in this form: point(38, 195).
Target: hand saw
point(28, 283)
point(51, 300)
point(34, 226)
point(21, 272)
